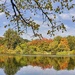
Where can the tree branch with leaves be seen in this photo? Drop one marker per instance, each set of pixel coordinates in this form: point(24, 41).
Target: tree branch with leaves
point(49, 10)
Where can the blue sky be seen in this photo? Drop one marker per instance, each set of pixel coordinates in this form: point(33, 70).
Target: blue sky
point(65, 18)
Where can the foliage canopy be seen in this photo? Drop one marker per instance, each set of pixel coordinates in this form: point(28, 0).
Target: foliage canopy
point(19, 13)
point(12, 39)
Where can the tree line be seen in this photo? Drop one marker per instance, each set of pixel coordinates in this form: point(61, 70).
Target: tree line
point(14, 44)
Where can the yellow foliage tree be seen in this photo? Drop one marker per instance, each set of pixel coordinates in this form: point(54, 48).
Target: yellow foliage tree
point(63, 45)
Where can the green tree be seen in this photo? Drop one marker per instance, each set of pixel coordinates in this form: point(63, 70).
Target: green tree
point(71, 42)
point(1, 41)
point(53, 47)
point(12, 39)
point(22, 48)
point(58, 38)
point(49, 9)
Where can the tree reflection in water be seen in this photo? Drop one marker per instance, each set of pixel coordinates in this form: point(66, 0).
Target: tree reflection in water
point(13, 64)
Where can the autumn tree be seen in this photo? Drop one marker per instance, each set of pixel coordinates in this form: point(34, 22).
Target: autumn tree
point(53, 47)
point(1, 40)
point(41, 46)
point(57, 38)
point(11, 38)
point(63, 45)
point(19, 13)
point(71, 42)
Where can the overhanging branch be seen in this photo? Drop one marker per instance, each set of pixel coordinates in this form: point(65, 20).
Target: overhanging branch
point(16, 9)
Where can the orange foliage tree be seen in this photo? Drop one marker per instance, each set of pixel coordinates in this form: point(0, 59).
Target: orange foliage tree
point(40, 45)
point(38, 41)
point(63, 45)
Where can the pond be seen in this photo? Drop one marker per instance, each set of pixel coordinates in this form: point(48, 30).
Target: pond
point(36, 65)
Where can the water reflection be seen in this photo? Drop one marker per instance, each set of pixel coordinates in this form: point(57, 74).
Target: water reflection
point(30, 70)
point(37, 65)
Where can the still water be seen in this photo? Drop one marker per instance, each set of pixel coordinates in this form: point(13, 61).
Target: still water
point(37, 65)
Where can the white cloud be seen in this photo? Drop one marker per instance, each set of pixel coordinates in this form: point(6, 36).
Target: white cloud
point(52, 16)
point(5, 23)
point(68, 15)
point(2, 13)
point(38, 22)
point(65, 16)
point(3, 1)
point(26, 36)
point(43, 25)
point(72, 14)
point(67, 27)
point(36, 15)
point(70, 31)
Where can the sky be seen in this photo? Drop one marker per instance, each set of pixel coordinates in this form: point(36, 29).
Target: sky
point(65, 18)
